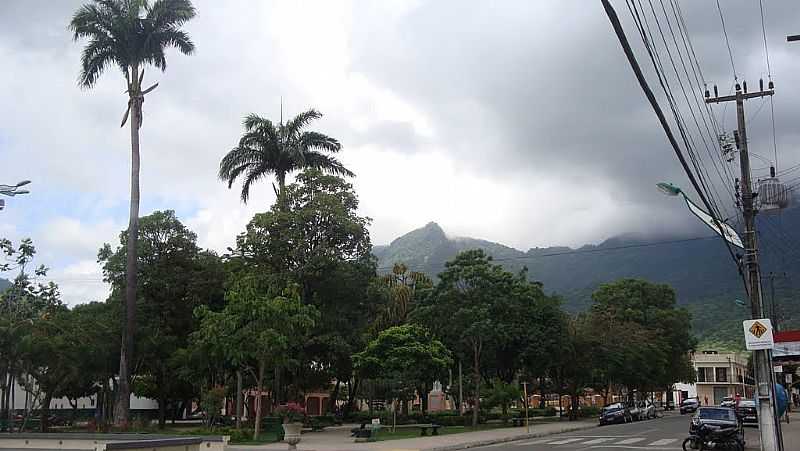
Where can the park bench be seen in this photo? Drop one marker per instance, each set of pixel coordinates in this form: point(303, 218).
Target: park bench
point(367, 432)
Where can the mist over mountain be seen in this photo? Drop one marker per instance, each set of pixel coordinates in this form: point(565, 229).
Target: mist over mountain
point(4, 284)
point(699, 268)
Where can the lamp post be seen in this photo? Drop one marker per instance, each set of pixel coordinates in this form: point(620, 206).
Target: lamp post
point(12, 190)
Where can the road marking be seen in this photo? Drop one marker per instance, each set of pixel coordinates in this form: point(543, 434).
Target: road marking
point(630, 441)
point(597, 440)
point(663, 441)
point(565, 441)
point(534, 442)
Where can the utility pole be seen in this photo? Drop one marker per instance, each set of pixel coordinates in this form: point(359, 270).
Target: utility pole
point(773, 307)
point(769, 426)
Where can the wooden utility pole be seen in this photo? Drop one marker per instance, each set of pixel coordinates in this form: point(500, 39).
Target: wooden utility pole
point(769, 426)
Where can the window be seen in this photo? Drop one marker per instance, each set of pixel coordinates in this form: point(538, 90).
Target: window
point(721, 374)
point(701, 375)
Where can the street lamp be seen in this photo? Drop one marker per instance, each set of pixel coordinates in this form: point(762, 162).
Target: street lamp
point(727, 232)
point(13, 190)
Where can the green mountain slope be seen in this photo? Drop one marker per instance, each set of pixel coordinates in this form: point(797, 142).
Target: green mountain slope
point(4, 284)
point(701, 270)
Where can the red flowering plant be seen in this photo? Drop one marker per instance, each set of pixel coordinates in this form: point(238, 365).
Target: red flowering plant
point(291, 413)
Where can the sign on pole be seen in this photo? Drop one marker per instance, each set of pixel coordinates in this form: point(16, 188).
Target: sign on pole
point(777, 369)
point(758, 334)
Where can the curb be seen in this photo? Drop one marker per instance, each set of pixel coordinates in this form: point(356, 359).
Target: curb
point(509, 439)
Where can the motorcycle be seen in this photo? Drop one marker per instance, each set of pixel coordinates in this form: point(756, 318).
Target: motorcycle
point(707, 437)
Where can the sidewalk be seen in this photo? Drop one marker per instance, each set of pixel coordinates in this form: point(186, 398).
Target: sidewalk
point(338, 439)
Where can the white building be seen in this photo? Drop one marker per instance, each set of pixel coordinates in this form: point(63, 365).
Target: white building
point(21, 400)
point(718, 375)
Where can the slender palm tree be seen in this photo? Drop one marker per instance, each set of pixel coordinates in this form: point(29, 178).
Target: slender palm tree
point(404, 291)
point(279, 149)
point(130, 34)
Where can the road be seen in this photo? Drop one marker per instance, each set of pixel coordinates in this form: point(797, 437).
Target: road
point(659, 434)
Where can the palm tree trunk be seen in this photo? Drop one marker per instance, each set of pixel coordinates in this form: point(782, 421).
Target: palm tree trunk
point(281, 176)
point(122, 407)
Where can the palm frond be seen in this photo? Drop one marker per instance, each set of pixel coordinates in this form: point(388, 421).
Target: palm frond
point(299, 122)
point(327, 164)
point(253, 175)
point(316, 140)
point(170, 13)
point(95, 58)
point(253, 121)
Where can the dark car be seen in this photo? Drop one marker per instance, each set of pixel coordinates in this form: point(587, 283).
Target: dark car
point(747, 411)
point(615, 413)
point(718, 419)
point(689, 405)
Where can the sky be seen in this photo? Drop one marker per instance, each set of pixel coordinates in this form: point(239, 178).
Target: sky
point(514, 121)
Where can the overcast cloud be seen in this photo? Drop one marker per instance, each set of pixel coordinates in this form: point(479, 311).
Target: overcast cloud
point(514, 121)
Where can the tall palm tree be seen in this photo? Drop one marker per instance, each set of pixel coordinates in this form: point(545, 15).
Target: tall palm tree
point(130, 34)
point(279, 149)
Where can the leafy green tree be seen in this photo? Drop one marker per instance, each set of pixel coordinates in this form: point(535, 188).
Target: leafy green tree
point(23, 306)
point(317, 241)
point(279, 149)
point(407, 355)
point(174, 277)
point(501, 393)
point(662, 329)
point(257, 327)
point(130, 34)
point(469, 308)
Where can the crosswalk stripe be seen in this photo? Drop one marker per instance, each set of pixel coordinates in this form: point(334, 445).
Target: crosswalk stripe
point(629, 441)
point(663, 441)
point(597, 440)
point(534, 442)
point(565, 441)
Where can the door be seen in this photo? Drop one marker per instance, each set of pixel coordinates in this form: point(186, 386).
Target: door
point(719, 394)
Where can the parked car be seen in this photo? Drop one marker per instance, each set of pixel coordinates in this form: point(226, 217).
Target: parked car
point(689, 405)
point(615, 413)
point(717, 419)
point(747, 412)
point(647, 409)
point(727, 401)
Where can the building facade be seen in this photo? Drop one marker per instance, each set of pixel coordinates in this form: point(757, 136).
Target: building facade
point(718, 375)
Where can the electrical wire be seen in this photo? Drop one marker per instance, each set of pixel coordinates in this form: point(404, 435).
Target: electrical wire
point(727, 42)
point(651, 46)
point(614, 19)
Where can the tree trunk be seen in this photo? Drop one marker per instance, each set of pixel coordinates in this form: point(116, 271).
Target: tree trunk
point(238, 399)
point(45, 413)
point(276, 387)
point(162, 412)
point(476, 362)
point(123, 404)
point(259, 382)
point(334, 397)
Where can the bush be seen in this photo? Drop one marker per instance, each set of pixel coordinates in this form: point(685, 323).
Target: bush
point(588, 412)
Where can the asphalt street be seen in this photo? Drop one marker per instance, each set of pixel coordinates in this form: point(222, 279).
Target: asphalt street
point(658, 434)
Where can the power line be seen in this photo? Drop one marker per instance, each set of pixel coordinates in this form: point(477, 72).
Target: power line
point(769, 77)
point(614, 19)
point(652, 49)
point(727, 42)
